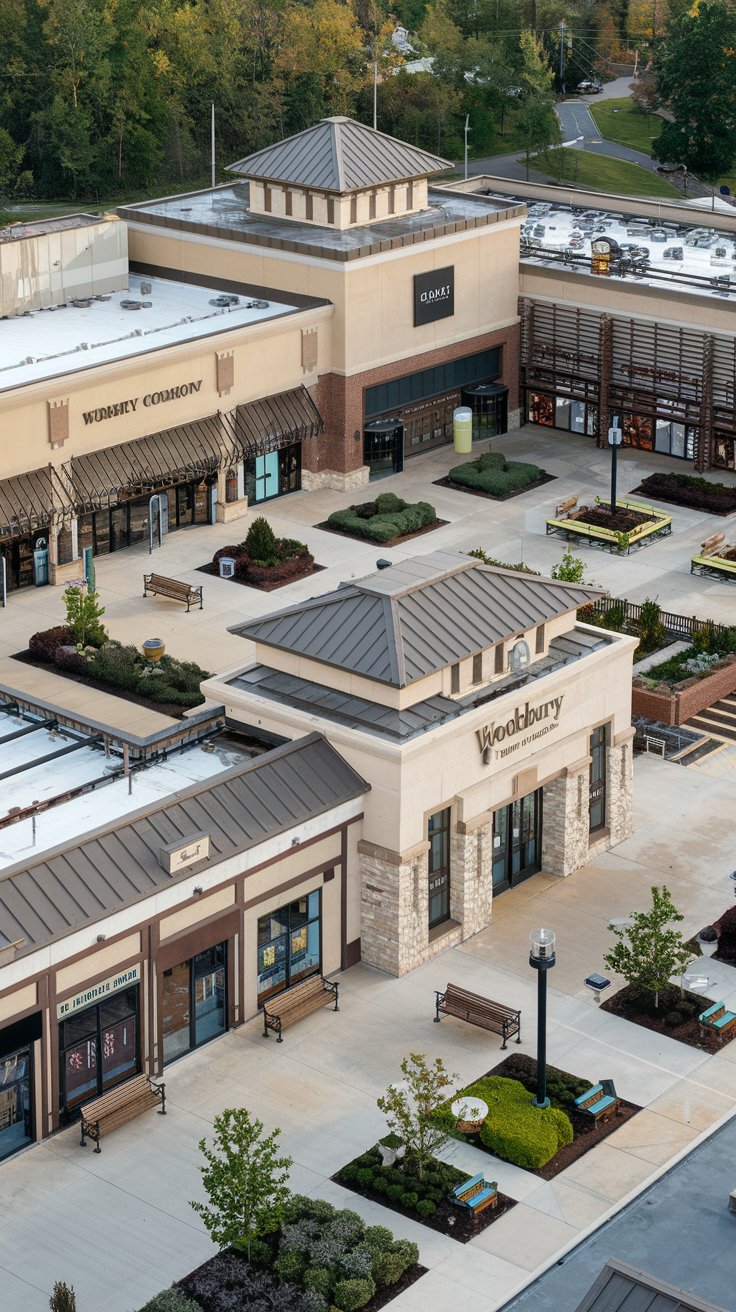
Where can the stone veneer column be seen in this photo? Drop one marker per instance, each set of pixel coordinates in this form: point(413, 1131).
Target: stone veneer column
point(620, 788)
point(471, 874)
point(394, 906)
point(565, 821)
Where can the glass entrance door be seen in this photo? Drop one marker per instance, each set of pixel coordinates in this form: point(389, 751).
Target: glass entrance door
point(383, 447)
point(194, 1002)
point(489, 403)
point(267, 476)
point(517, 841)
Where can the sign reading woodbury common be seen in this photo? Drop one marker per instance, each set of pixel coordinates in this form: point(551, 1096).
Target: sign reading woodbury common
point(130, 405)
point(434, 295)
point(503, 735)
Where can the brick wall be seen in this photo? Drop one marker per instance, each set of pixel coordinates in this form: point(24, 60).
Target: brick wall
point(340, 399)
point(681, 706)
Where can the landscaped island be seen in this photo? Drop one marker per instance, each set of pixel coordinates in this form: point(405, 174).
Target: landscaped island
point(264, 561)
point(492, 475)
point(621, 529)
point(687, 490)
point(384, 521)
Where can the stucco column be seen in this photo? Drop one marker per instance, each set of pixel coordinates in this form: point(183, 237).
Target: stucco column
point(565, 820)
point(471, 874)
point(620, 787)
point(394, 906)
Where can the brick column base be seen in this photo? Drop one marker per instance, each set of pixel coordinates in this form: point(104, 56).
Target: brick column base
point(471, 877)
point(565, 824)
point(394, 907)
point(620, 790)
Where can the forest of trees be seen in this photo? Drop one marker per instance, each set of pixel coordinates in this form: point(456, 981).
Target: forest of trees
point(111, 98)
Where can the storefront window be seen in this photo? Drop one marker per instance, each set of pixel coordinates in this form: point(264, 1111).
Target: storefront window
point(16, 1116)
point(274, 474)
point(194, 1002)
point(289, 945)
point(597, 794)
point(98, 1048)
point(724, 452)
point(542, 409)
point(438, 834)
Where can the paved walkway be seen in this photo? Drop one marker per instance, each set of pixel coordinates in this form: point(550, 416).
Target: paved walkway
point(102, 707)
point(509, 530)
point(118, 1226)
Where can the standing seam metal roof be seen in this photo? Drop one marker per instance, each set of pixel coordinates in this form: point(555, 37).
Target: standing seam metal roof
point(421, 615)
point(339, 155)
point(117, 866)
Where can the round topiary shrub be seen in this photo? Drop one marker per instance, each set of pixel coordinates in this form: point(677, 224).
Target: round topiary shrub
point(260, 542)
point(517, 1130)
point(289, 1266)
point(320, 1279)
point(349, 1295)
point(425, 1207)
point(409, 1200)
point(672, 1019)
point(388, 1268)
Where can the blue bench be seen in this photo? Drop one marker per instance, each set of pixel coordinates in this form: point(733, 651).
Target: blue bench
point(599, 1102)
point(475, 1194)
point(716, 1020)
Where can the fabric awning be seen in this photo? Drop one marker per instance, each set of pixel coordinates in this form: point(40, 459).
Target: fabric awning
point(276, 421)
point(29, 501)
point(150, 464)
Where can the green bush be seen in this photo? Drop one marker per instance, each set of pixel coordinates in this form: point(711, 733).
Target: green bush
point(117, 665)
point(289, 1266)
point(379, 1239)
point(426, 1207)
point(321, 1279)
point(363, 1177)
point(350, 1295)
point(494, 474)
point(388, 503)
point(409, 1200)
point(408, 1250)
point(171, 1300)
point(385, 518)
point(260, 542)
point(388, 1268)
point(515, 1129)
point(258, 1252)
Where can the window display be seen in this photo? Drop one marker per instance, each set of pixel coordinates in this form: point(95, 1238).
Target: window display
point(16, 1121)
point(194, 1002)
point(98, 1048)
point(288, 945)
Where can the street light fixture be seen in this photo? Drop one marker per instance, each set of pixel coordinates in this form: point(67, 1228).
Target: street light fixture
point(541, 958)
point(615, 438)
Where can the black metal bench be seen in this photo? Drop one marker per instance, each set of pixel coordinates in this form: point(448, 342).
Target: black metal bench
point(160, 586)
point(476, 1010)
point(298, 1001)
point(121, 1104)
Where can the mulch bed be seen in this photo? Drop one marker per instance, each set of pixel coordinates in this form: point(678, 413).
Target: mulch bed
point(619, 521)
point(587, 1134)
point(262, 587)
point(657, 487)
point(490, 496)
point(448, 1220)
point(174, 711)
point(379, 546)
point(628, 1004)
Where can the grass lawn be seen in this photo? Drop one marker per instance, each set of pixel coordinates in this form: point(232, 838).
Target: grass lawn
point(629, 127)
point(602, 173)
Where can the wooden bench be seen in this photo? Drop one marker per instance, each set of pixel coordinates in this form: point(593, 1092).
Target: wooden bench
point(478, 1011)
point(716, 1020)
point(711, 560)
point(565, 507)
point(475, 1194)
point(298, 1001)
point(174, 588)
point(121, 1104)
point(600, 1102)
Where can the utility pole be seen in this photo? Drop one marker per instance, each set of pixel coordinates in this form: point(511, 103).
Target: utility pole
point(212, 142)
point(375, 89)
point(467, 129)
point(562, 55)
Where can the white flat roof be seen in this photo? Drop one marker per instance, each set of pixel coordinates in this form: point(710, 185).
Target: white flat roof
point(46, 343)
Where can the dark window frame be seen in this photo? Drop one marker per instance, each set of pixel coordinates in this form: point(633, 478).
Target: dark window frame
point(284, 914)
point(94, 1035)
point(439, 824)
point(386, 398)
point(598, 778)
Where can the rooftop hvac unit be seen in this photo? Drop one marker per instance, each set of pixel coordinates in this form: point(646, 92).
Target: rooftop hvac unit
point(146, 289)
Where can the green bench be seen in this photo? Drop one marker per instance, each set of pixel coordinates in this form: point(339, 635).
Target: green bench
point(475, 1194)
point(717, 1020)
point(599, 1102)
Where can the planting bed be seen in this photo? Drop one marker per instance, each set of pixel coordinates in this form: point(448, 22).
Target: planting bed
point(687, 490)
point(264, 561)
point(440, 1179)
point(385, 521)
point(493, 476)
point(562, 1089)
point(629, 526)
point(638, 1007)
point(265, 584)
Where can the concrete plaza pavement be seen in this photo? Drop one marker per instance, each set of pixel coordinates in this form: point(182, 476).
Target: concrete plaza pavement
point(118, 1225)
point(508, 530)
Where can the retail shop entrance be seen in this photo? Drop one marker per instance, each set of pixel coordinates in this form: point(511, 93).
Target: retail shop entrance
point(517, 841)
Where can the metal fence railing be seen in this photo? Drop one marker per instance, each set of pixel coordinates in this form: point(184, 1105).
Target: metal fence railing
point(677, 626)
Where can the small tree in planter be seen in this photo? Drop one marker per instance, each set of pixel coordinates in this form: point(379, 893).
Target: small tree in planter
point(260, 543)
point(63, 1298)
point(571, 569)
point(410, 1108)
point(244, 1178)
point(84, 615)
point(649, 951)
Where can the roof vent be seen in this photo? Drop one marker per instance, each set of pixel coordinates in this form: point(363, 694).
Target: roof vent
point(257, 305)
point(82, 303)
point(225, 300)
point(131, 305)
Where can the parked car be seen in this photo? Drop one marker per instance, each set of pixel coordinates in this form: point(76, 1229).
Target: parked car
point(588, 88)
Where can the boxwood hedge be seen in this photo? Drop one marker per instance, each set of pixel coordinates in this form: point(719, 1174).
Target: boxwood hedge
point(495, 474)
point(385, 518)
point(515, 1129)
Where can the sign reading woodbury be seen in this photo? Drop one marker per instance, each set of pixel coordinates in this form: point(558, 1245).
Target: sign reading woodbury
point(503, 735)
point(434, 295)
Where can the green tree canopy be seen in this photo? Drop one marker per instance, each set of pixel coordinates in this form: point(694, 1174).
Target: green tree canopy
point(696, 78)
point(649, 950)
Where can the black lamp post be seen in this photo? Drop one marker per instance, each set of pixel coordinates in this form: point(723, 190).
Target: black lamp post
point(615, 438)
point(541, 958)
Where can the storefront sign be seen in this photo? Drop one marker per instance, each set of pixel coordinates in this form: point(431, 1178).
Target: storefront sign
point(177, 856)
point(498, 733)
point(131, 405)
point(113, 985)
point(434, 295)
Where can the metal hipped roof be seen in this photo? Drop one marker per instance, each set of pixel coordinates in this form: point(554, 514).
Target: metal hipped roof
point(339, 155)
point(275, 421)
point(623, 1288)
point(118, 865)
point(29, 501)
point(149, 464)
point(423, 614)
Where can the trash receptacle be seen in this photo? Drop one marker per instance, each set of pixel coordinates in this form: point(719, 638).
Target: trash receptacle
point(462, 429)
point(227, 567)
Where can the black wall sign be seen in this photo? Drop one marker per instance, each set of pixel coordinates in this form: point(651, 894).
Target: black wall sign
point(434, 295)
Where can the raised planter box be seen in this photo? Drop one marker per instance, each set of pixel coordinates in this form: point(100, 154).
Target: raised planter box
point(716, 566)
point(680, 704)
point(657, 524)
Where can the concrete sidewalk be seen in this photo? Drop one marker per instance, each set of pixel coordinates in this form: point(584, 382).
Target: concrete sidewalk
point(118, 1226)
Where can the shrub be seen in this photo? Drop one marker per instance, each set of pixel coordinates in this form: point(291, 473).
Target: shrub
point(409, 1200)
point(170, 1300)
point(521, 568)
point(652, 632)
point(352, 1294)
point(426, 1207)
point(84, 616)
point(494, 474)
point(289, 1266)
point(516, 1130)
point(388, 1268)
point(46, 642)
point(63, 1298)
point(232, 551)
point(385, 518)
point(260, 542)
point(408, 1251)
point(117, 665)
point(258, 1252)
point(387, 503)
point(364, 1177)
point(321, 1279)
point(672, 1019)
point(279, 571)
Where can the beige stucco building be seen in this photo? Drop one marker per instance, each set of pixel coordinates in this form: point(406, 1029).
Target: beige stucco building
point(493, 728)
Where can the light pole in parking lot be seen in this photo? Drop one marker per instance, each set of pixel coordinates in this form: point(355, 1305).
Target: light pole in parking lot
point(615, 438)
point(542, 958)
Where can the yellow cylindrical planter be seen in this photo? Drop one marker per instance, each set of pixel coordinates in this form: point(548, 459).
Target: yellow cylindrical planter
point(462, 429)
